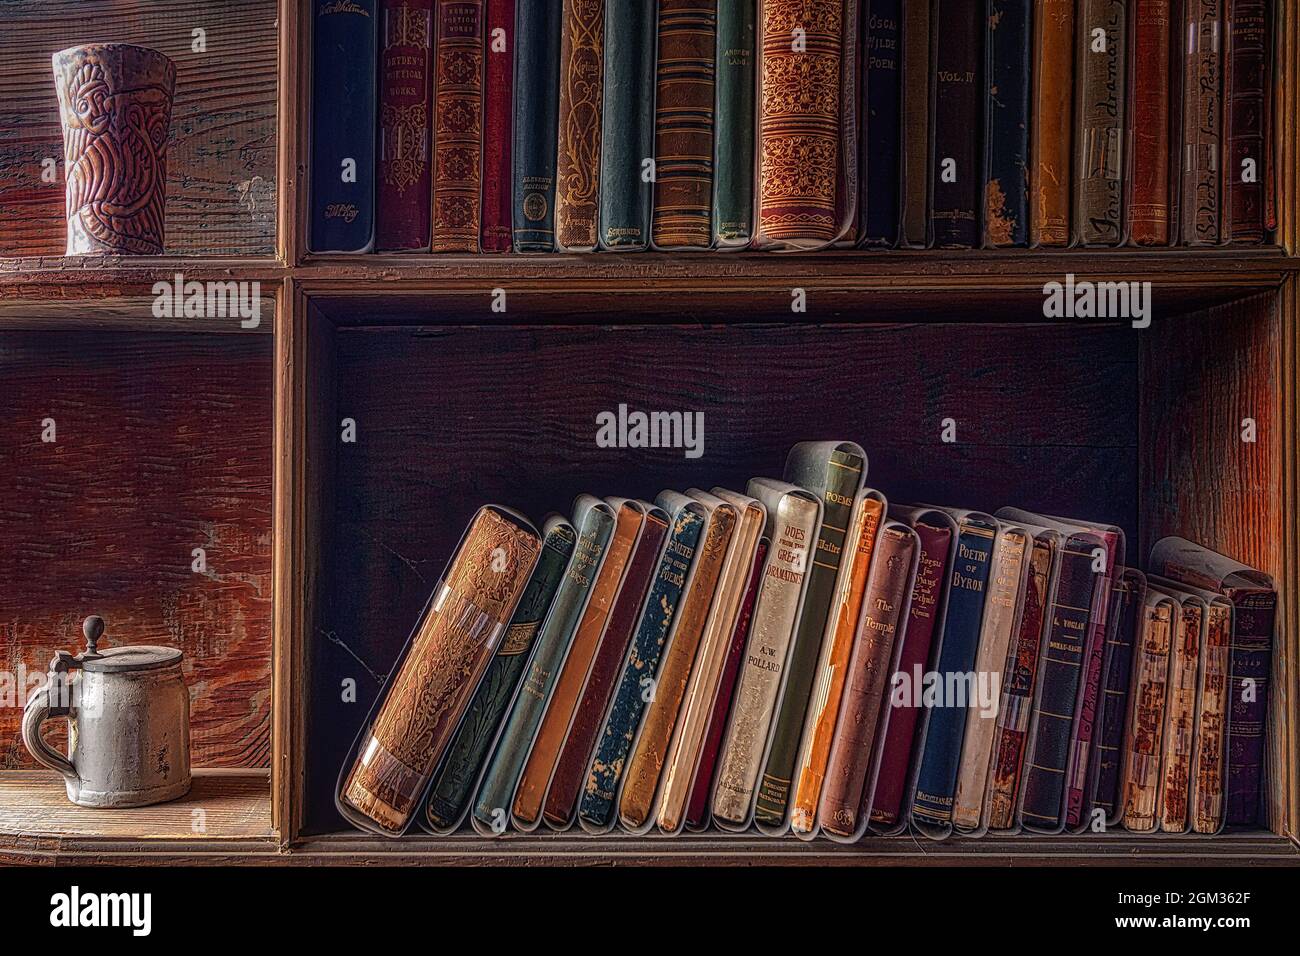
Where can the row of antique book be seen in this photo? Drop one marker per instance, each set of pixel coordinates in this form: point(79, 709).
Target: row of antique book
point(622, 125)
point(807, 657)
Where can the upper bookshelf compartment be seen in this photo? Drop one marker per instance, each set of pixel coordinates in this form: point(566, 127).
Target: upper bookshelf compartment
point(222, 145)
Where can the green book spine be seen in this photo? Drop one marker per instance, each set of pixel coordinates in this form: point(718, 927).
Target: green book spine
point(733, 170)
point(452, 789)
point(627, 140)
point(839, 487)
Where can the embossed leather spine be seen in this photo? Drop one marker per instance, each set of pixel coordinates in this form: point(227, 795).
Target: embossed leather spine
point(575, 756)
point(594, 522)
point(498, 120)
point(1201, 200)
point(458, 126)
point(1209, 758)
point(405, 148)
point(1051, 127)
point(936, 780)
point(833, 665)
point(923, 617)
point(1103, 67)
point(453, 786)
point(534, 132)
point(1180, 718)
point(1153, 35)
point(582, 61)
point(799, 122)
point(845, 799)
point(836, 476)
point(956, 174)
point(1245, 125)
point(1007, 90)
point(553, 729)
point(734, 132)
point(683, 101)
point(614, 743)
point(1254, 613)
point(1020, 679)
point(343, 114)
point(422, 704)
point(636, 801)
point(627, 127)
point(915, 146)
point(1108, 754)
point(881, 132)
point(1144, 740)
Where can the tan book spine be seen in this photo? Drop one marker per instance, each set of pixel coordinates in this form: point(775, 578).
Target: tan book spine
point(554, 728)
point(1051, 127)
point(637, 798)
point(701, 692)
point(1001, 615)
point(1146, 718)
point(828, 688)
point(1211, 723)
point(577, 170)
point(1180, 720)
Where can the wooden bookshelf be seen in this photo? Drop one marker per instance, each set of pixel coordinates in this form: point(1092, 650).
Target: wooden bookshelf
point(190, 428)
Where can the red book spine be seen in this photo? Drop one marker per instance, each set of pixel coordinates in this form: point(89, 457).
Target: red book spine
point(1148, 209)
point(498, 118)
point(405, 170)
point(458, 127)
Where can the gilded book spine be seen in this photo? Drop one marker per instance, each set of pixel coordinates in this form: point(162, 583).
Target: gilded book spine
point(1180, 720)
point(1252, 654)
point(452, 646)
point(533, 136)
point(405, 170)
point(1211, 723)
point(733, 173)
point(1145, 742)
point(1050, 126)
point(458, 127)
point(955, 169)
point(582, 60)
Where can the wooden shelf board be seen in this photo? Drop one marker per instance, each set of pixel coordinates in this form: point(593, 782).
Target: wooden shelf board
point(73, 276)
point(119, 314)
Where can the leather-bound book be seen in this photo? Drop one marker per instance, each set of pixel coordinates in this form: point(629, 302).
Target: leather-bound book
point(582, 61)
point(614, 743)
point(1051, 142)
point(1154, 40)
point(1001, 618)
point(697, 810)
point(1008, 88)
point(683, 755)
point(498, 124)
point(405, 87)
point(1060, 677)
point(833, 665)
point(936, 778)
point(1144, 741)
point(915, 146)
point(458, 126)
point(847, 186)
point(923, 626)
point(1254, 601)
point(1209, 757)
point(535, 778)
point(594, 521)
point(1172, 795)
point(343, 101)
point(533, 137)
point(627, 139)
point(835, 473)
point(636, 801)
point(453, 786)
point(1117, 684)
point(1103, 69)
point(733, 166)
point(1200, 197)
point(1019, 682)
point(799, 121)
point(423, 702)
point(956, 174)
point(606, 666)
point(794, 516)
point(881, 133)
point(1245, 120)
point(844, 804)
point(683, 101)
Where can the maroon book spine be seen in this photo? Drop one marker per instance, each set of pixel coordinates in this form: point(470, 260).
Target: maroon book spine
point(1248, 167)
point(927, 593)
point(405, 170)
point(498, 117)
point(697, 809)
point(1149, 211)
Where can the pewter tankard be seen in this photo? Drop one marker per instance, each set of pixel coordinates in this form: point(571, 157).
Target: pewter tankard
point(128, 712)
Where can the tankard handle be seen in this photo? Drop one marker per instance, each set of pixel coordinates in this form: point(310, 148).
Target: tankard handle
point(38, 710)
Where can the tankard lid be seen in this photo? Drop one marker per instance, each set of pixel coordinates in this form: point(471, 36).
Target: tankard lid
point(133, 657)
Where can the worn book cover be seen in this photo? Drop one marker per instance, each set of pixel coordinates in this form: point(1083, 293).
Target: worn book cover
point(915, 146)
point(1102, 79)
point(1247, 166)
point(1201, 190)
point(1007, 91)
point(1175, 782)
point(533, 135)
point(956, 162)
point(1051, 128)
point(1154, 39)
point(498, 123)
point(627, 126)
point(582, 64)
point(881, 132)
point(458, 126)
point(1144, 741)
point(734, 132)
point(405, 105)
point(1117, 685)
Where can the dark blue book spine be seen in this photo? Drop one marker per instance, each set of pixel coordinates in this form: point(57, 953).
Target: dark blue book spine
point(1008, 75)
point(882, 129)
point(628, 136)
point(537, 106)
point(1108, 755)
point(343, 103)
point(936, 782)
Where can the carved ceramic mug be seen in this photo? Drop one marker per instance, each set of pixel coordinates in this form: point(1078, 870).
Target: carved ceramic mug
point(115, 103)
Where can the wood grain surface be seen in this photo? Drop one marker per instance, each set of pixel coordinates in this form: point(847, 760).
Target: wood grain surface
point(163, 445)
point(221, 159)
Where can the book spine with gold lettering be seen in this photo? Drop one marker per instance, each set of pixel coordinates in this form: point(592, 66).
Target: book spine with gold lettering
point(405, 148)
point(454, 785)
point(385, 778)
point(577, 168)
point(1209, 758)
point(1144, 742)
point(458, 127)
